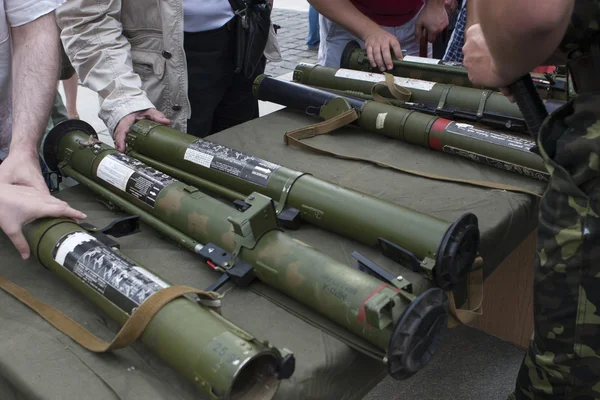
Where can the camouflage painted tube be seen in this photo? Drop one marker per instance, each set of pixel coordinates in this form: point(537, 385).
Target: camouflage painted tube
point(441, 250)
point(478, 105)
point(433, 70)
point(220, 359)
point(507, 152)
point(408, 327)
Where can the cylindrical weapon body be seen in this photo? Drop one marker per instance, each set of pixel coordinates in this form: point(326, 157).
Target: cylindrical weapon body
point(380, 313)
point(492, 108)
point(497, 149)
point(221, 359)
point(440, 71)
point(447, 248)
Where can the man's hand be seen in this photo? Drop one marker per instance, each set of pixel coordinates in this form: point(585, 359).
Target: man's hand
point(478, 60)
point(378, 45)
point(127, 121)
point(23, 168)
point(433, 19)
point(21, 205)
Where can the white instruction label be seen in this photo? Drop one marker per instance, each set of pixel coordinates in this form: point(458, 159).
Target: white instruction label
point(69, 244)
point(421, 60)
point(197, 157)
point(114, 172)
point(114, 277)
point(230, 161)
point(375, 78)
point(379, 122)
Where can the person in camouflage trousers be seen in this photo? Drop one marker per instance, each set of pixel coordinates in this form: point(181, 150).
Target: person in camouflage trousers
point(563, 358)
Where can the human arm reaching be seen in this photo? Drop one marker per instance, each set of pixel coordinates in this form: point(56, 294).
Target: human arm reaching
point(92, 36)
point(432, 20)
point(378, 41)
point(496, 54)
point(33, 90)
point(20, 205)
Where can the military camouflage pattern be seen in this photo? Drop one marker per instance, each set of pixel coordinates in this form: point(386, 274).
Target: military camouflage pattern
point(582, 30)
point(354, 300)
point(562, 361)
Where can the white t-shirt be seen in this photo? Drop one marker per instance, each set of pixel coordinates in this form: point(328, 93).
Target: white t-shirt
point(205, 15)
point(14, 13)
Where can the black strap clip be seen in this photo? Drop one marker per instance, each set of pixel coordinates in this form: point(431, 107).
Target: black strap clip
point(240, 273)
point(118, 228)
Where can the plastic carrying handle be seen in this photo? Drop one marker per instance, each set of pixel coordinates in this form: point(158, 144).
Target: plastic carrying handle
point(531, 105)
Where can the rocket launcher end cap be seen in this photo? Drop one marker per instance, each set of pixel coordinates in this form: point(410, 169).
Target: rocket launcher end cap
point(418, 334)
point(347, 53)
point(50, 145)
point(457, 252)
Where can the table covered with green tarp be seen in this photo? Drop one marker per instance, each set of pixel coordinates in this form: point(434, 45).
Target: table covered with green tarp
point(39, 362)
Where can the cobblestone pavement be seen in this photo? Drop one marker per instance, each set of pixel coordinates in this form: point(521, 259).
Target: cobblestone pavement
point(292, 40)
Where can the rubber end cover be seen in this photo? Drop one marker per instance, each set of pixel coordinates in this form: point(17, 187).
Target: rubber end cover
point(347, 53)
point(418, 334)
point(457, 252)
point(52, 139)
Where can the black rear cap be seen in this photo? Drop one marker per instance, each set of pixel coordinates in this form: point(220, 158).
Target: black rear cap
point(457, 252)
point(52, 139)
point(418, 334)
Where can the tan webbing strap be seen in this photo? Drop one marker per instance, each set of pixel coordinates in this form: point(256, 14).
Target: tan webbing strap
point(317, 129)
point(397, 91)
point(132, 329)
point(378, 97)
point(474, 298)
point(295, 137)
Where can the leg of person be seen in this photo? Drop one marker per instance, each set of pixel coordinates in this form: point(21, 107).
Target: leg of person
point(324, 24)
point(238, 104)
point(336, 39)
point(209, 58)
point(71, 85)
point(312, 42)
point(563, 357)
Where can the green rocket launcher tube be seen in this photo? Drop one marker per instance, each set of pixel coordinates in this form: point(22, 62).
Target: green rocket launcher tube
point(429, 69)
point(408, 328)
point(497, 149)
point(220, 359)
point(443, 251)
point(455, 102)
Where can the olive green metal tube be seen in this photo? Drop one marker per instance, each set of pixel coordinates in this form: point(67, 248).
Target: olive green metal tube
point(129, 208)
point(478, 103)
point(387, 316)
point(189, 178)
point(433, 70)
point(497, 149)
point(347, 212)
point(222, 360)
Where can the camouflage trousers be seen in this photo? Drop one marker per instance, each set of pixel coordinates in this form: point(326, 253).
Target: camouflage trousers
point(563, 357)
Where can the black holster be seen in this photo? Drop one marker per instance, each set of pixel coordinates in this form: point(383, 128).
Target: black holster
point(253, 22)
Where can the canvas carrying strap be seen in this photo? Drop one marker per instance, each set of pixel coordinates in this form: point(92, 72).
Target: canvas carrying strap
point(295, 137)
point(474, 304)
point(131, 330)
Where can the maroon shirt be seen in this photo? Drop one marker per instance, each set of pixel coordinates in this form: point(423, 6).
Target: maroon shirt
point(389, 12)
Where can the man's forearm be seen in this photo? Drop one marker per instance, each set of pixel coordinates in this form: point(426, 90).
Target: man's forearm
point(35, 71)
point(343, 13)
point(506, 23)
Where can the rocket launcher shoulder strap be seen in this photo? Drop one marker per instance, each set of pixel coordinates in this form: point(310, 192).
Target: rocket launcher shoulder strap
point(339, 113)
point(133, 328)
